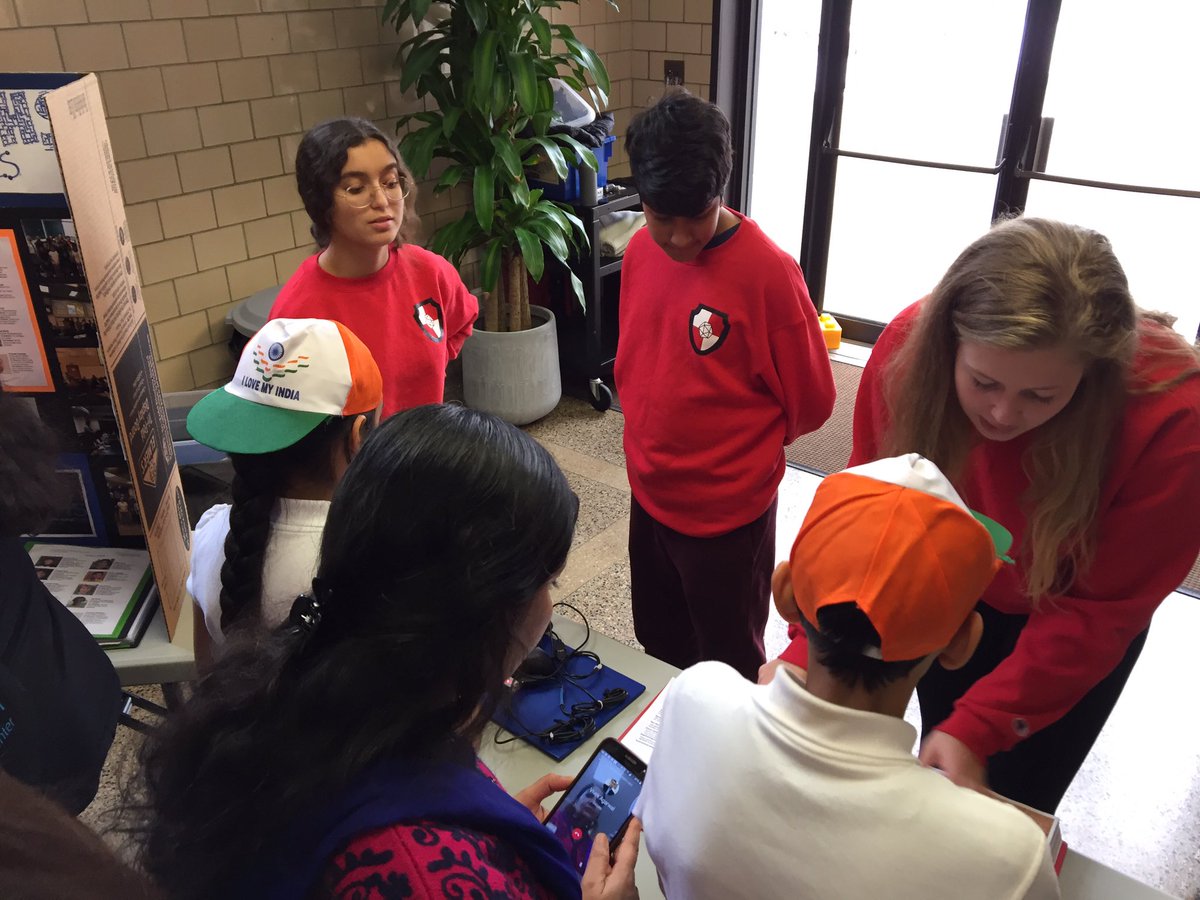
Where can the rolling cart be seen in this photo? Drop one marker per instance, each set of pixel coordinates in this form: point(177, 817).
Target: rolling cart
point(599, 341)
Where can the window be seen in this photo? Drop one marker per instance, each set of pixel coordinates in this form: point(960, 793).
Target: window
point(929, 118)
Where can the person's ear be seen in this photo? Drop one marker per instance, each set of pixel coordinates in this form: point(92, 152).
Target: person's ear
point(781, 591)
point(358, 434)
point(962, 646)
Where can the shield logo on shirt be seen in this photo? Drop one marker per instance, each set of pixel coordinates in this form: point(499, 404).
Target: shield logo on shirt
point(428, 314)
point(709, 329)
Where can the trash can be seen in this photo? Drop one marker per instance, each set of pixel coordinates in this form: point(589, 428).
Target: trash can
point(187, 451)
point(249, 316)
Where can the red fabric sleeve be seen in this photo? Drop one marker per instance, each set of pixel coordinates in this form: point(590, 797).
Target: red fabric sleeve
point(796, 652)
point(800, 375)
point(428, 862)
point(1147, 542)
point(462, 309)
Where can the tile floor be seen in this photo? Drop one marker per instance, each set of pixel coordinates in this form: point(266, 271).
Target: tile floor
point(1135, 805)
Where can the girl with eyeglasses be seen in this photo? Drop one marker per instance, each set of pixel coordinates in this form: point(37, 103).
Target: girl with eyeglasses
point(336, 756)
point(409, 306)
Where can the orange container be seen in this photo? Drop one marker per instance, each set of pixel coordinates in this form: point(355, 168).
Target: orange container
point(832, 331)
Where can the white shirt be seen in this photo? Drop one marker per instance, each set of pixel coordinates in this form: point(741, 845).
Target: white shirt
point(767, 791)
point(289, 563)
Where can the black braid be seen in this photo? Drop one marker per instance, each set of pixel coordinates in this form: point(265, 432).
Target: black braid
point(259, 481)
point(255, 490)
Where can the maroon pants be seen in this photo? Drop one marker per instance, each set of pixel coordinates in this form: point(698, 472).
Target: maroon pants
point(702, 598)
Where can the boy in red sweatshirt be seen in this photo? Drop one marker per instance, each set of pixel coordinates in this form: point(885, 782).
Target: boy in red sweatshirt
point(720, 365)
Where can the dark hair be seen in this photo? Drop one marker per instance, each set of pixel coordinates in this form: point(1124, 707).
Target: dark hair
point(680, 154)
point(843, 631)
point(446, 525)
point(320, 159)
point(30, 492)
point(259, 480)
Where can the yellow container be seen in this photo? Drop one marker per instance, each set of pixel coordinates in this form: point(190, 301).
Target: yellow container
point(832, 331)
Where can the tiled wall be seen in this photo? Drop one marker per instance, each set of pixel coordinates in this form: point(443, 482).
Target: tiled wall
point(668, 29)
point(207, 101)
point(635, 42)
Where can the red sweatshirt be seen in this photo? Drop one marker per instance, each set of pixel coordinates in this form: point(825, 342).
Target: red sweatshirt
point(721, 363)
point(413, 315)
point(1149, 535)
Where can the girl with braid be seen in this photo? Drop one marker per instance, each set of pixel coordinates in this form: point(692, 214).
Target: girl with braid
point(337, 755)
point(303, 397)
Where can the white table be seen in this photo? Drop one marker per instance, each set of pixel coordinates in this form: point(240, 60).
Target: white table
point(518, 764)
point(157, 660)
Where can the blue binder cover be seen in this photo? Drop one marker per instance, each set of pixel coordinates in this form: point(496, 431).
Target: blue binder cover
point(534, 708)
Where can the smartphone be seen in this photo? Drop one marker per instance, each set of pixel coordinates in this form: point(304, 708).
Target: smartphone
point(600, 800)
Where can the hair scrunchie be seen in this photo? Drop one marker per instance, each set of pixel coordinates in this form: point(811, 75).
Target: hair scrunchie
point(307, 610)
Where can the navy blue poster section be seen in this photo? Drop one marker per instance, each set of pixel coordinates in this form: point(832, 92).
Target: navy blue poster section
point(80, 410)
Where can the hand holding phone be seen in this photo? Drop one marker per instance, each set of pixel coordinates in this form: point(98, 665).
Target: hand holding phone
point(599, 801)
point(535, 795)
point(609, 874)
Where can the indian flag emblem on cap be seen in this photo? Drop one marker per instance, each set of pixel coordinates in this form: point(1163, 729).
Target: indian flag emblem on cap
point(271, 364)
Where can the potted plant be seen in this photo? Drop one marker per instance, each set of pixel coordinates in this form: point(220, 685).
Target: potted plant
point(488, 66)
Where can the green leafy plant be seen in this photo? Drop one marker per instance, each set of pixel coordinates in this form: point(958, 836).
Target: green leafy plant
point(487, 66)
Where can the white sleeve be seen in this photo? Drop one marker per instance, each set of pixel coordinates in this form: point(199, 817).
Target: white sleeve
point(208, 556)
point(1043, 883)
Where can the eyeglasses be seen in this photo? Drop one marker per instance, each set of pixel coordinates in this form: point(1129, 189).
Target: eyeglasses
point(360, 196)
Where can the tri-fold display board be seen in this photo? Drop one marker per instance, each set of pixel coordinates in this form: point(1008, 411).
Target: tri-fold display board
point(74, 340)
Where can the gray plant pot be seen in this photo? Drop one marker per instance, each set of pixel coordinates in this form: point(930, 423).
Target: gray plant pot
point(514, 375)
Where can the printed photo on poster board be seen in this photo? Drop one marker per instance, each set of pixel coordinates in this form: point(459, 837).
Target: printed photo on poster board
point(54, 250)
point(23, 365)
point(119, 485)
point(96, 429)
point(80, 517)
point(70, 314)
point(151, 452)
point(84, 375)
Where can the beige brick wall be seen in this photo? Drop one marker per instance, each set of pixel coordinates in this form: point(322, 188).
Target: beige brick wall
point(669, 29)
point(207, 101)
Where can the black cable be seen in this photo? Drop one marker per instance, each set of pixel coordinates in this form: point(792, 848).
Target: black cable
point(580, 723)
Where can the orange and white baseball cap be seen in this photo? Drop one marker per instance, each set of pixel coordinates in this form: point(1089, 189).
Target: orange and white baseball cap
point(292, 376)
point(894, 537)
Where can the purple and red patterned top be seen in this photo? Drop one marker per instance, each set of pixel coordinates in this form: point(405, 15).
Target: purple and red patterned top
point(427, 860)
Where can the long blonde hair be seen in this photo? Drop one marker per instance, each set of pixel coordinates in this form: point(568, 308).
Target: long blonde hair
point(1033, 284)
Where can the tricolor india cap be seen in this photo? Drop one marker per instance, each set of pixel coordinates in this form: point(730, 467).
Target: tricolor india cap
point(894, 537)
point(292, 376)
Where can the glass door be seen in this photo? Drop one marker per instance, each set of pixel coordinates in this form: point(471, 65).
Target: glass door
point(928, 83)
point(783, 98)
point(1121, 94)
point(931, 117)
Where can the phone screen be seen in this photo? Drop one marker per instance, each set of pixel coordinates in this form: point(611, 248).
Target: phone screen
point(600, 800)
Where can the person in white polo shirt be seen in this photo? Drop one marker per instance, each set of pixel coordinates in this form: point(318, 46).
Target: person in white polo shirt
point(303, 397)
point(807, 787)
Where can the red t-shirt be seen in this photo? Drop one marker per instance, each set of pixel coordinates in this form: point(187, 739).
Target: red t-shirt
point(721, 364)
point(413, 315)
point(1148, 538)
